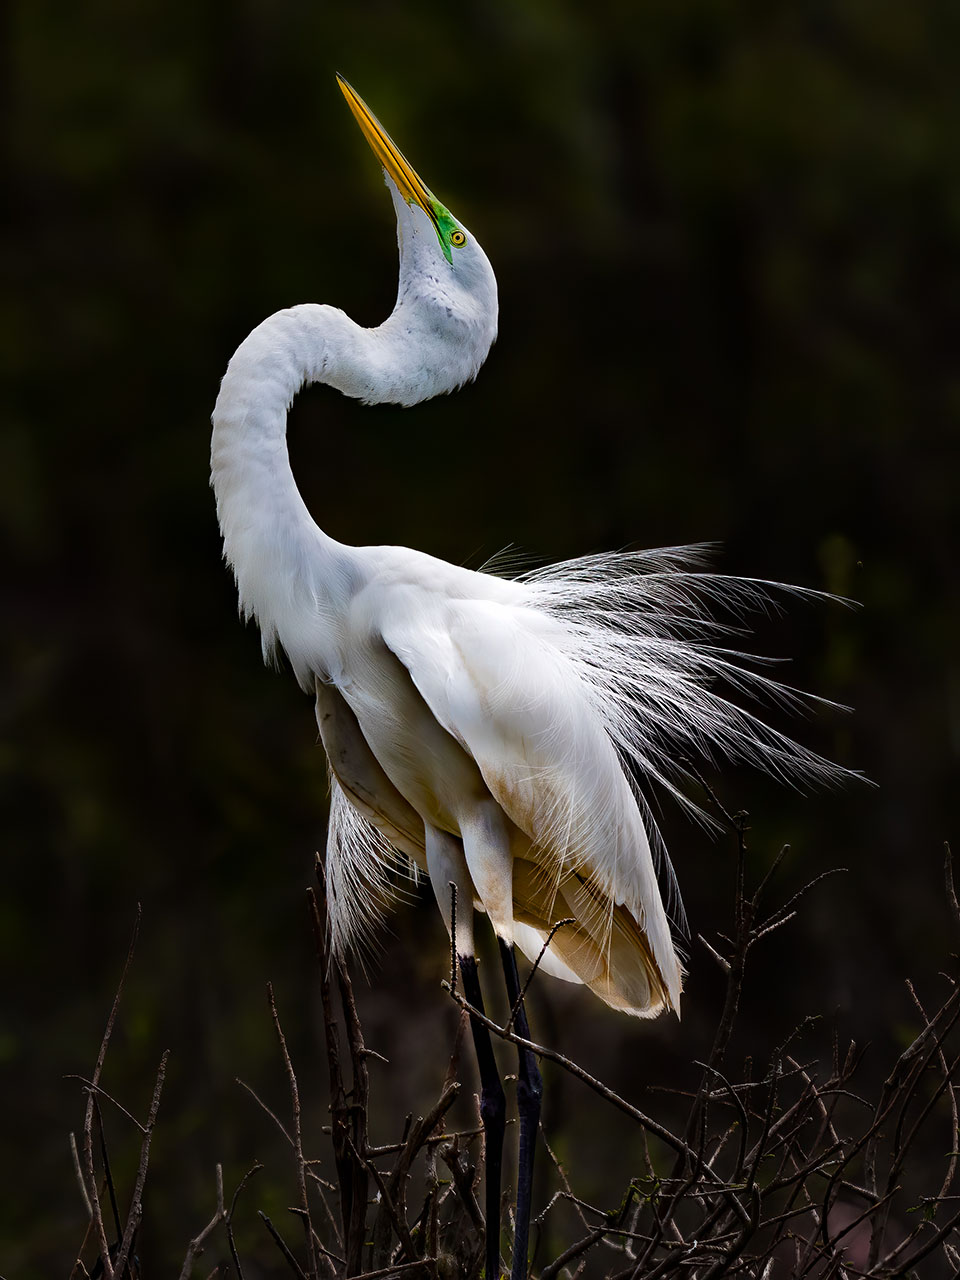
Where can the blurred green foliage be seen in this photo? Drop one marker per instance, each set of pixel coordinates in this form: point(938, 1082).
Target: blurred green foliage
point(726, 237)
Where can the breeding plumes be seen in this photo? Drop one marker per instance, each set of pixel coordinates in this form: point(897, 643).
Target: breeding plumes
point(497, 734)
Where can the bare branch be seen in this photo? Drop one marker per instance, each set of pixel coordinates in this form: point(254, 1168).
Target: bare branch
point(723, 964)
point(136, 1203)
point(91, 1175)
point(263, 1106)
point(297, 1135)
point(229, 1217)
point(75, 1154)
point(283, 1247)
point(102, 1093)
point(574, 1251)
point(195, 1248)
point(518, 1003)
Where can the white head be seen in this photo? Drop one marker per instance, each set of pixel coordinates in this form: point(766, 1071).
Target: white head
point(447, 296)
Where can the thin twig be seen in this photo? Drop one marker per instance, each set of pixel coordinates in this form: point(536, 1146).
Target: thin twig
point(281, 1244)
point(562, 1175)
point(463, 1175)
point(195, 1247)
point(353, 1121)
point(98, 1227)
point(75, 1154)
point(422, 1266)
point(947, 1073)
point(229, 1217)
point(352, 1178)
point(297, 1135)
point(518, 1003)
point(712, 951)
point(263, 1106)
point(107, 1171)
point(399, 1225)
point(574, 1251)
point(136, 1203)
point(102, 1093)
point(326, 1259)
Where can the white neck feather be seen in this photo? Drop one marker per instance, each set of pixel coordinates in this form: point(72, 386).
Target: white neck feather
point(291, 577)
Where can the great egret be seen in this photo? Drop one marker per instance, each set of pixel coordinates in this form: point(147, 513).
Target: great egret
point(490, 731)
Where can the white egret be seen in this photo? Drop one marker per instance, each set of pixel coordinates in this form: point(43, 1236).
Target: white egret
point(490, 731)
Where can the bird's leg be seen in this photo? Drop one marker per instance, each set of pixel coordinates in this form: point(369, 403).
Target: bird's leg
point(488, 850)
point(454, 891)
point(493, 1113)
point(529, 1093)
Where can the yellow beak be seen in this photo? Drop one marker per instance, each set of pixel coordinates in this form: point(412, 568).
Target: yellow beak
point(411, 186)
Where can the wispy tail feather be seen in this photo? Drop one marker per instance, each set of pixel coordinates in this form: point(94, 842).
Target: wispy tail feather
point(644, 630)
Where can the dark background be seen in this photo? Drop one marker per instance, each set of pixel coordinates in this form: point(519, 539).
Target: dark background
point(726, 240)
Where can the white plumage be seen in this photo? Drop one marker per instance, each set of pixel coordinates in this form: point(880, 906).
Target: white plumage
point(495, 734)
point(505, 720)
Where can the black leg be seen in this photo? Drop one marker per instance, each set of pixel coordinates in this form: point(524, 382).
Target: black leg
point(493, 1113)
point(529, 1093)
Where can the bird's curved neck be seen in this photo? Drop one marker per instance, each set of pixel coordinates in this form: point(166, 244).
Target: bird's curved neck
point(291, 576)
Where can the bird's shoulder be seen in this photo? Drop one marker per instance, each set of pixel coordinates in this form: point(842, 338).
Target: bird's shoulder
point(404, 589)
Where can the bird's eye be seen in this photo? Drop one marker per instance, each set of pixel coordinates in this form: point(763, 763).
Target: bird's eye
point(458, 239)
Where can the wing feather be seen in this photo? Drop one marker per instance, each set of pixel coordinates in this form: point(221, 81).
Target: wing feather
point(495, 679)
